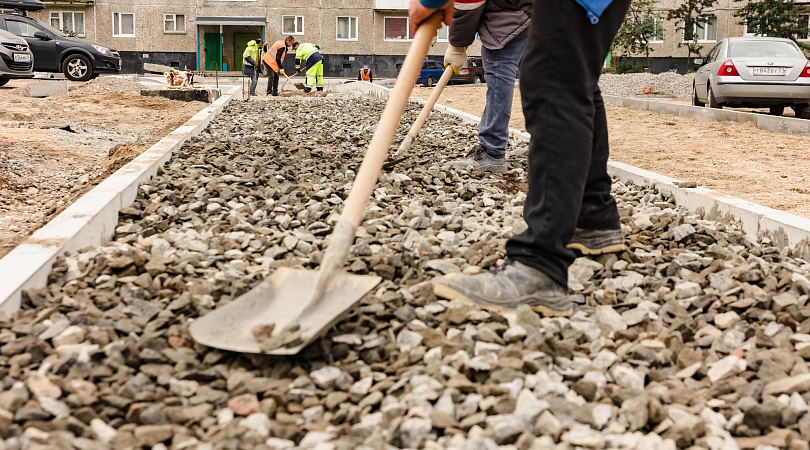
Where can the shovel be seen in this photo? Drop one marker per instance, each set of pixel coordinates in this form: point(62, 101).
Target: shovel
point(299, 86)
point(292, 307)
point(405, 146)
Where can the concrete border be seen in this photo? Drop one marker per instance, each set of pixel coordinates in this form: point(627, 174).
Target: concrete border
point(789, 125)
point(784, 229)
point(92, 218)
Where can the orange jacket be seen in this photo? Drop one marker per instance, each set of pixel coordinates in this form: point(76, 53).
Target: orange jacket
point(365, 75)
point(275, 56)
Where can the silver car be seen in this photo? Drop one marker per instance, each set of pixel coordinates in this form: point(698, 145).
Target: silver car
point(754, 72)
point(16, 59)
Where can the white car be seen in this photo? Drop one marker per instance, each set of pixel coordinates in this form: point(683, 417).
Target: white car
point(754, 72)
point(16, 59)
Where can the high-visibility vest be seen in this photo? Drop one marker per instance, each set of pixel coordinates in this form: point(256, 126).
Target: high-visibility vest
point(303, 53)
point(251, 50)
point(364, 74)
point(270, 57)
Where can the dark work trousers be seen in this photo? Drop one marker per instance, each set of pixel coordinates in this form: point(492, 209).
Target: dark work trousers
point(568, 182)
point(272, 80)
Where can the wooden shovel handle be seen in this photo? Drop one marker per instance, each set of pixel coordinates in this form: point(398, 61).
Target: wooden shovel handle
point(437, 91)
point(377, 151)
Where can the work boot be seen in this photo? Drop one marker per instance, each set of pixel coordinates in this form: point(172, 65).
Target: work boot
point(596, 242)
point(320, 89)
point(275, 94)
point(479, 159)
point(514, 284)
point(307, 90)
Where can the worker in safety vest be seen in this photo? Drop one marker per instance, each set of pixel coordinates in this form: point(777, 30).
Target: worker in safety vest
point(250, 64)
point(308, 59)
point(273, 58)
point(365, 75)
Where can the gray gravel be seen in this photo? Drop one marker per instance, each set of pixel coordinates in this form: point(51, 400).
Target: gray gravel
point(696, 335)
point(633, 84)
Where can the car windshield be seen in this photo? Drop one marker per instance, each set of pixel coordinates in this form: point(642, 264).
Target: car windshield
point(764, 49)
point(50, 28)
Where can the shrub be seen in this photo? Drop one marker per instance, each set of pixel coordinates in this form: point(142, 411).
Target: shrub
point(626, 67)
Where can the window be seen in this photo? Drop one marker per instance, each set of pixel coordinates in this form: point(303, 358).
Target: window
point(347, 28)
point(292, 24)
point(123, 25)
point(703, 29)
point(396, 29)
point(68, 22)
point(20, 28)
point(750, 30)
point(444, 32)
point(658, 30)
point(174, 23)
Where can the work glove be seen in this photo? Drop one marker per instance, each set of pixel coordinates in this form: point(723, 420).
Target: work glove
point(281, 72)
point(456, 57)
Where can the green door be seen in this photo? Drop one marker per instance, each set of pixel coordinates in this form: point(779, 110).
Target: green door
point(240, 41)
point(213, 51)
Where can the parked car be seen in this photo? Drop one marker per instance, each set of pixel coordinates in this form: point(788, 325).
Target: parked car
point(77, 58)
point(430, 73)
point(16, 60)
point(471, 72)
point(754, 72)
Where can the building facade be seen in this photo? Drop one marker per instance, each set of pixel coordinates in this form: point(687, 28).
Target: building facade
point(211, 34)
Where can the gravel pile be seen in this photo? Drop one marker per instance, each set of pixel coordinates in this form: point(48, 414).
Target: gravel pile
point(632, 84)
point(694, 336)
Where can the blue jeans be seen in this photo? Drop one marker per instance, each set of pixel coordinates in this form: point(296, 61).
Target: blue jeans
point(500, 69)
point(254, 80)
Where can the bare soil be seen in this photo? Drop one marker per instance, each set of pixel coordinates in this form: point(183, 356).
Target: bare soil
point(54, 149)
point(770, 169)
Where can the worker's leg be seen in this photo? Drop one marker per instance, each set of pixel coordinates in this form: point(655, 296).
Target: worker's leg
point(276, 77)
point(500, 69)
point(566, 119)
point(254, 80)
point(319, 75)
point(312, 74)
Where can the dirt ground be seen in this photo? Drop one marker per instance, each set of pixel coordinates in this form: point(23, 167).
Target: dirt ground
point(54, 149)
point(770, 169)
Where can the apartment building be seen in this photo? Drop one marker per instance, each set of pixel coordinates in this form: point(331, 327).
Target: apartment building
point(212, 34)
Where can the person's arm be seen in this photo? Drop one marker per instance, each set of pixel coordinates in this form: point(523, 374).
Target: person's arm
point(358, 74)
point(250, 60)
point(466, 19)
point(419, 10)
point(370, 76)
point(280, 58)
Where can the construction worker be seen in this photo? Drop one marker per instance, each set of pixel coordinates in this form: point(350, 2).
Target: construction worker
point(569, 196)
point(308, 58)
point(504, 30)
point(250, 65)
point(365, 75)
point(273, 58)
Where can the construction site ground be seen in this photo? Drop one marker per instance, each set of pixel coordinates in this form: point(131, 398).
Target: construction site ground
point(766, 168)
point(54, 149)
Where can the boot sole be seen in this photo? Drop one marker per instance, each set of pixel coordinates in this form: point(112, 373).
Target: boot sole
point(596, 251)
point(452, 294)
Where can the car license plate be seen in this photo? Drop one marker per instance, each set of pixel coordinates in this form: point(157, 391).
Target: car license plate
point(770, 70)
point(22, 57)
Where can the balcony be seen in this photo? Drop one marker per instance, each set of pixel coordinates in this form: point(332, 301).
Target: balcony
point(391, 5)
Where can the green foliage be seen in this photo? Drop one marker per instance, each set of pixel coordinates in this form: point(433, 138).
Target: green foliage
point(67, 32)
point(639, 28)
point(774, 18)
point(627, 67)
point(687, 14)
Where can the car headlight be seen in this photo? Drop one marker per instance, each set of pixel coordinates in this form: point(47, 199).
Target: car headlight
point(103, 50)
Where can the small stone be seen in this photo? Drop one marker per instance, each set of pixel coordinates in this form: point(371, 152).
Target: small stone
point(626, 377)
point(263, 332)
point(244, 405)
point(103, 432)
point(726, 367)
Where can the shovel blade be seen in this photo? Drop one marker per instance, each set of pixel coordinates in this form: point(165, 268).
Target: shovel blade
point(300, 86)
point(281, 299)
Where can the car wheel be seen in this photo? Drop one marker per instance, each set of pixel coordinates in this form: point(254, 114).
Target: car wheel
point(477, 80)
point(695, 100)
point(77, 68)
point(429, 82)
point(801, 111)
point(3, 81)
point(711, 102)
point(776, 110)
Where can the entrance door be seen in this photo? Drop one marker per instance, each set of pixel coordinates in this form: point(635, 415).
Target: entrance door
point(240, 41)
point(213, 51)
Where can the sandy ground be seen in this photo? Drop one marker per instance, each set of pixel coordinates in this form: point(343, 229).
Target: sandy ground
point(766, 168)
point(54, 149)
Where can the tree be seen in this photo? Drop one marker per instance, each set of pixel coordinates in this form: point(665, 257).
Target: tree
point(689, 16)
point(639, 28)
point(774, 18)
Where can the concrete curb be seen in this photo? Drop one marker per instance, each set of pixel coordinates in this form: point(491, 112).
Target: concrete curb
point(790, 125)
point(92, 218)
point(783, 229)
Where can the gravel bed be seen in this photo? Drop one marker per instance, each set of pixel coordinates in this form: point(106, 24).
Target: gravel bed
point(696, 335)
point(632, 84)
